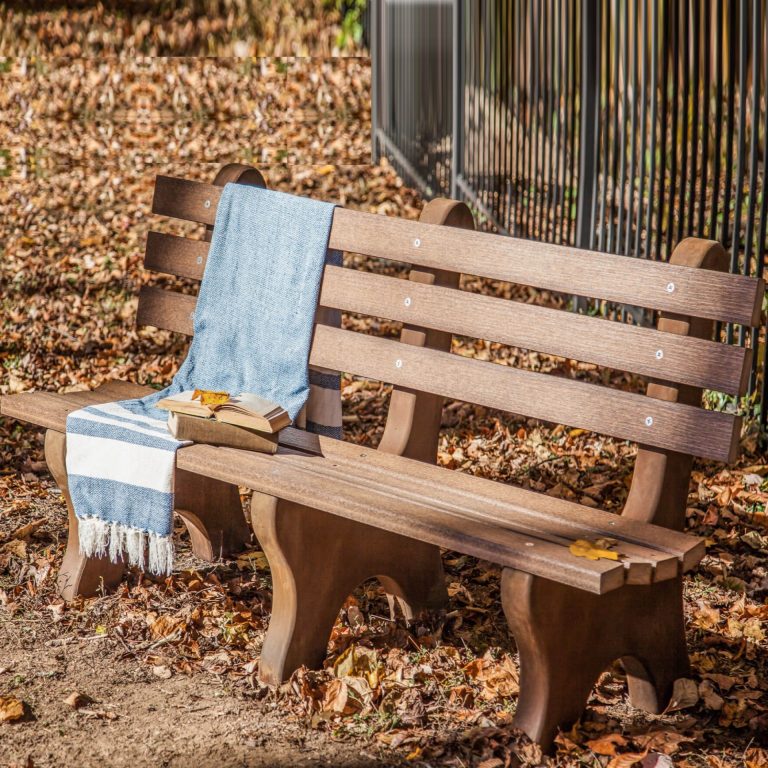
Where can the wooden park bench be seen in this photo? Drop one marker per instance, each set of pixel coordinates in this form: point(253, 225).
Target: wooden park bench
point(330, 514)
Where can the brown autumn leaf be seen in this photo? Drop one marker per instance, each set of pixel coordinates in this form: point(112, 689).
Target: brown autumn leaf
point(11, 709)
point(76, 700)
point(606, 745)
point(626, 760)
point(25, 531)
point(685, 693)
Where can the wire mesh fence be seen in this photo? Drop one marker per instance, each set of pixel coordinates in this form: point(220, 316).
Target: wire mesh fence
point(618, 125)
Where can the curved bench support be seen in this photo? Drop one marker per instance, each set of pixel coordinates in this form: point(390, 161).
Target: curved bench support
point(566, 637)
point(210, 509)
point(316, 560)
point(79, 575)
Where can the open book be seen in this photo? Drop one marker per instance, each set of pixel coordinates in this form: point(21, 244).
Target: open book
point(243, 410)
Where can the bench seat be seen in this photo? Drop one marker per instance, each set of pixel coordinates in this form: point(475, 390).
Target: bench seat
point(507, 525)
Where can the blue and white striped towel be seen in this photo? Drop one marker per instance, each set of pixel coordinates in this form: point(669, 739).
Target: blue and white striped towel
point(252, 333)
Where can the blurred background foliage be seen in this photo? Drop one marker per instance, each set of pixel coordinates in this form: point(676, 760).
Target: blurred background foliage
point(181, 27)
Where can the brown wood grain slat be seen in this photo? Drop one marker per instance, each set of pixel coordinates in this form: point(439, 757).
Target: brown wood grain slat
point(285, 478)
point(50, 410)
point(655, 285)
point(166, 309)
point(642, 564)
point(652, 553)
point(504, 503)
point(174, 255)
point(620, 346)
point(442, 491)
point(674, 426)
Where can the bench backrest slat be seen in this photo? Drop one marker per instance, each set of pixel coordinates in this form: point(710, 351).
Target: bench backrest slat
point(645, 351)
point(640, 282)
point(670, 426)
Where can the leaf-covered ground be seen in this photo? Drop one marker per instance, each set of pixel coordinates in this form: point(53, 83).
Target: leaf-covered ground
point(166, 672)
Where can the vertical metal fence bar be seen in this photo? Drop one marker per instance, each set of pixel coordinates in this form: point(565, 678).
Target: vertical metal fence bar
point(614, 142)
point(739, 199)
point(663, 87)
point(753, 147)
point(684, 107)
point(644, 131)
point(729, 121)
point(705, 125)
point(573, 85)
point(590, 77)
point(623, 84)
point(457, 116)
point(653, 126)
point(694, 31)
point(670, 229)
point(718, 148)
point(761, 250)
point(605, 125)
point(633, 31)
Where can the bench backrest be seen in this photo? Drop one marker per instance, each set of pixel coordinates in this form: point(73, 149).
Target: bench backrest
point(681, 292)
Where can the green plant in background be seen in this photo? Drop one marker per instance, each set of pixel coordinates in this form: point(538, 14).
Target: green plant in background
point(351, 11)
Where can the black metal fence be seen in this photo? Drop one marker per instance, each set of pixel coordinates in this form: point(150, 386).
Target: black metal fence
point(618, 125)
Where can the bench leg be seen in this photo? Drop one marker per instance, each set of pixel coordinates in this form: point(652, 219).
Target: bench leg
point(78, 575)
point(317, 559)
point(567, 637)
point(213, 514)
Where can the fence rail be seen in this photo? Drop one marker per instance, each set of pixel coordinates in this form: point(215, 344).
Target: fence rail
point(618, 125)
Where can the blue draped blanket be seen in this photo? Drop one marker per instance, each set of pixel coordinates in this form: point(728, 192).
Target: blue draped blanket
point(252, 333)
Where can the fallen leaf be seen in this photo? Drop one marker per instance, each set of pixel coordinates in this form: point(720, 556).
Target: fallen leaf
point(162, 671)
point(25, 531)
point(685, 693)
point(208, 397)
point(606, 745)
point(11, 709)
point(627, 760)
point(253, 560)
point(591, 550)
point(77, 700)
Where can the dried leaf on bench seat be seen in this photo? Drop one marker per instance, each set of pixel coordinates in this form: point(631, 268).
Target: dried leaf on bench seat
point(593, 550)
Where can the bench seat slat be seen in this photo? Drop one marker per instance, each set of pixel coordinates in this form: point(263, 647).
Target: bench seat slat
point(641, 282)
point(653, 552)
point(684, 360)
point(287, 478)
point(673, 426)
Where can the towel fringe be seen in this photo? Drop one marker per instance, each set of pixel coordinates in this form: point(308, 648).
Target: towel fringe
point(101, 538)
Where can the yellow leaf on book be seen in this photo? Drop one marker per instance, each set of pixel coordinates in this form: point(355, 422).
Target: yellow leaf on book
point(592, 550)
point(207, 397)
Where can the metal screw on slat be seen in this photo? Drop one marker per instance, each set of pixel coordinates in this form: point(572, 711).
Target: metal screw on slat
point(659, 354)
point(199, 259)
point(207, 204)
point(670, 287)
point(407, 301)
point(649, 421)
point(528, 543)
point(416, 243)
point(398, 363)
